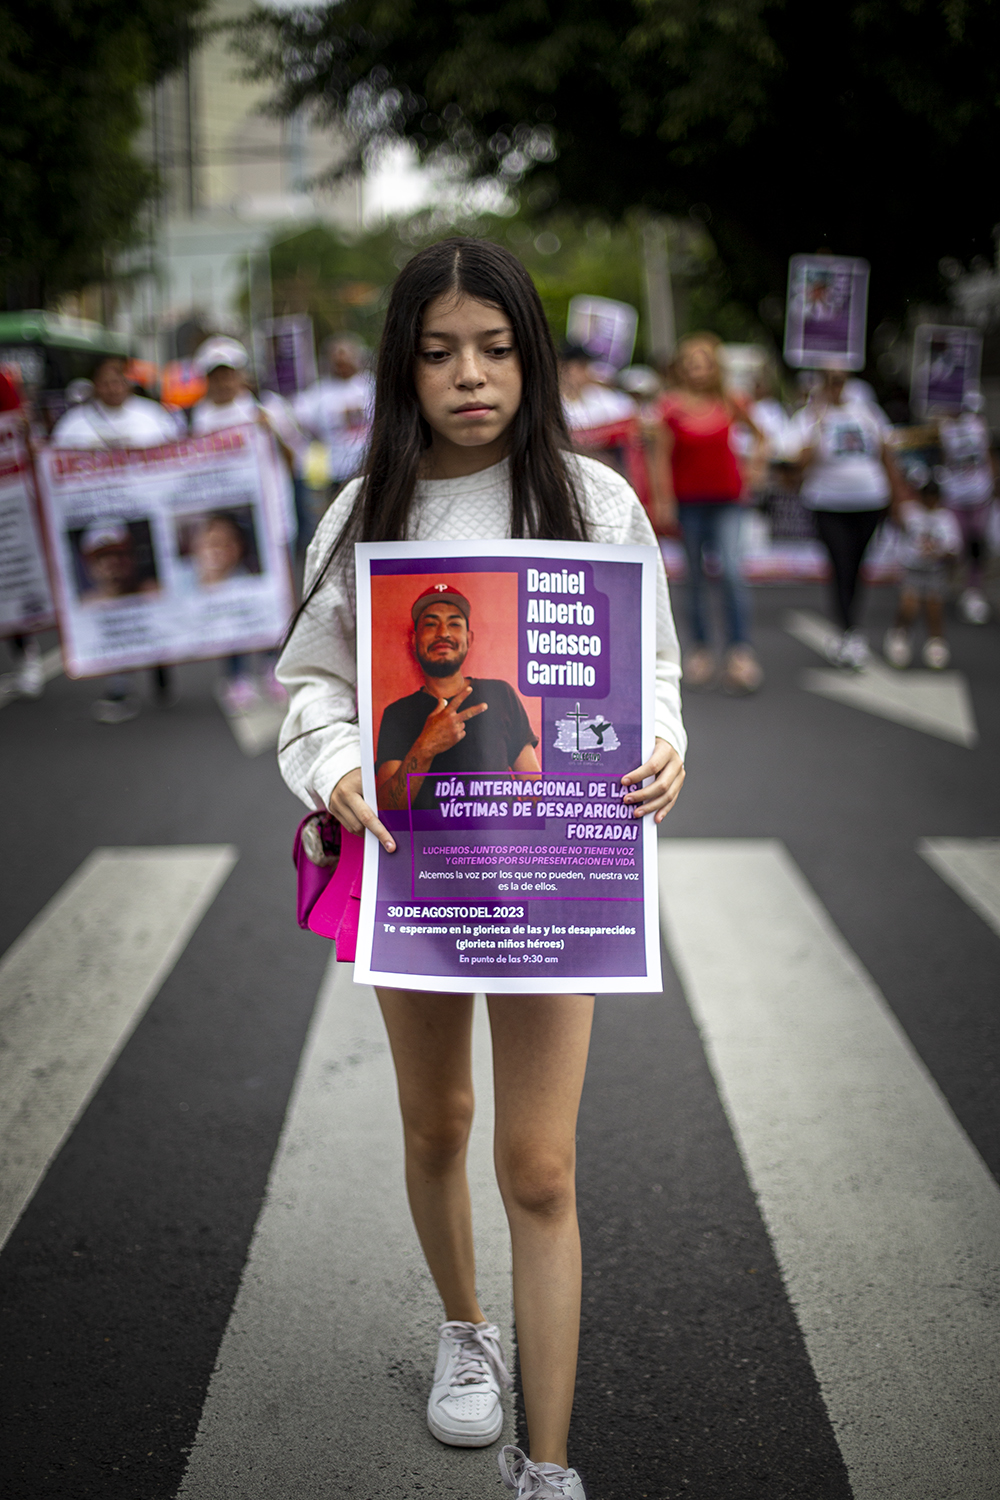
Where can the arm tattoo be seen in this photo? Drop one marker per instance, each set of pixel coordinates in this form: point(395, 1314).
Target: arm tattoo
point(393, 794)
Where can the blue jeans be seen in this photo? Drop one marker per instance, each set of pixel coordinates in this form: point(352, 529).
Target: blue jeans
point(717, 527)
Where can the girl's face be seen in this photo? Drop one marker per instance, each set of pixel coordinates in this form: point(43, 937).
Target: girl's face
point(468, 380)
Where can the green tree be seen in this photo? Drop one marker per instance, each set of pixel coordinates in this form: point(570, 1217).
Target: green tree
point(342, 283)
point(863, 126)
point(71, 183)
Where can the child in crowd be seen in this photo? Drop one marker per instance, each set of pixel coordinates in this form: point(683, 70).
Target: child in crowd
point(930, 536)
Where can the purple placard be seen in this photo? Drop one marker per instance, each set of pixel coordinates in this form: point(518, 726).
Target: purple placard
point(532, 878)
point(604, 327)
point(826, 312)
point(946, 364)
point(291, 356)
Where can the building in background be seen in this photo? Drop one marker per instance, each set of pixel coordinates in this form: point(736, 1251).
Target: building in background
point(233, 179)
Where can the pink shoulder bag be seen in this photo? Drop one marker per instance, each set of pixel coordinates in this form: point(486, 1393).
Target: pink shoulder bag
point(328, 862)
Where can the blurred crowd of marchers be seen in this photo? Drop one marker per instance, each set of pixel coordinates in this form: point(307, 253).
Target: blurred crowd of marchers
point(742, 480)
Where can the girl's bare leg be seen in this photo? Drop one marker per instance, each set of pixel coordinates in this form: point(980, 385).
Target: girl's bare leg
point(540, 1045)
point(431, 1040)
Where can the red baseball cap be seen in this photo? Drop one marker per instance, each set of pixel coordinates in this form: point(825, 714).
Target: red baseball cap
point(440, 593)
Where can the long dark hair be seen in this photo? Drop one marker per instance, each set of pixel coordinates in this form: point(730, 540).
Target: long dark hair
point(544, 502)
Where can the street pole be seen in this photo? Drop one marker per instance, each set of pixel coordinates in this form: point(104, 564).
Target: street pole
point(660, 323)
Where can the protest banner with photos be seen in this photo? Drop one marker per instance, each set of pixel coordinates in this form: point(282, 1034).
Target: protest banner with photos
point(826, 312)
point(519, 868)
point(946, 363)
point(26, 604)
point(166, 554)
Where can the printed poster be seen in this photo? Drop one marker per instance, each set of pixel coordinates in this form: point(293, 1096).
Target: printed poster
point(26, 602)
point(946, 364)
point(604, 327)
point(826, 312)
point(290, 353)
point(518, 866)
point(166, 554)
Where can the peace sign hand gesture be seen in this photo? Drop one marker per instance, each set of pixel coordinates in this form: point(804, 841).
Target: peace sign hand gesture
point(445, 724)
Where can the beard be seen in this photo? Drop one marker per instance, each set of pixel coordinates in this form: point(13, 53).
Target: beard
point(441, 666)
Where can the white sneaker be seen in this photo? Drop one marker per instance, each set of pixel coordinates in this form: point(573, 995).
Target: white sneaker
point(464, 1408)
point(973, 608)
point(896, 647)
point(31, 677)
point(854, 651)
point(538, 1481)
point(936, 654)
point(115, 710)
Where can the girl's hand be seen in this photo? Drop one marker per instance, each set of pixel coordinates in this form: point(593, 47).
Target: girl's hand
point(667, 770)
point(350, 808)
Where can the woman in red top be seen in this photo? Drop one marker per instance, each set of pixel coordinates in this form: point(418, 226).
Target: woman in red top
point(699, 484)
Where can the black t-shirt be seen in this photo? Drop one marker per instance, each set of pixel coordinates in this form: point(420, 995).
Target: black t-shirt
point(493, 740)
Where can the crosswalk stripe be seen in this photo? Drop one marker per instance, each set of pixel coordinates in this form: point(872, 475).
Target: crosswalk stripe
point(937, 703)
point(323, 1374)
point(73, 986)
point(885, 1220)
point(972, 868)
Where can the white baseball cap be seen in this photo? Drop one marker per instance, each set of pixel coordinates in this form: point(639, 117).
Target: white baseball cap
point(110, 533)
point(220, 351)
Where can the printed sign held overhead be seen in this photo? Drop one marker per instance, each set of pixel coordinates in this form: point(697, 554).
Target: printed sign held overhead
point(826, 312)
point(605, 328)
point(946, 363)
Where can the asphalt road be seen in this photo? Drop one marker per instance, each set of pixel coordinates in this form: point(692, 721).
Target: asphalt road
point(698, 1371)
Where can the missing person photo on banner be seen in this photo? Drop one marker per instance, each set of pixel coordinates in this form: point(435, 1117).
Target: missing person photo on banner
point(946, 365)
point(826, 312)
point(166, 554)
point(26, 604)
point(499, 711)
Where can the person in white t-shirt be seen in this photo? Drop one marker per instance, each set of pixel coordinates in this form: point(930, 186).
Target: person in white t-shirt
point(930, 536)
point(586, 403)
point(848, 484)
point(114, 417)
point(967, 478)
point(337, 409)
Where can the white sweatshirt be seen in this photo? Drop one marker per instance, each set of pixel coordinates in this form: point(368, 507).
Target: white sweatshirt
point(320, 741)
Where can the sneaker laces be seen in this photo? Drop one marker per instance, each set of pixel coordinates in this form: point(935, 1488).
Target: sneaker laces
point(530, 1481)
point(478, 1345)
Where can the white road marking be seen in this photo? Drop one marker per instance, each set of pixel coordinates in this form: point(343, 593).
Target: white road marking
point(322, 1380)
point(73, 987)
point(937, 703)
point(885, 1221)
point(972, 868)
point(257, 729)
point(52, 665)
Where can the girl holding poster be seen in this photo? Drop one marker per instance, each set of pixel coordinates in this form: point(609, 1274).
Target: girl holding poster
point(469, 443)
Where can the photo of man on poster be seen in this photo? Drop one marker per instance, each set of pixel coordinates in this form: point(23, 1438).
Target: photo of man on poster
point(116, 562)
point(452, 722)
